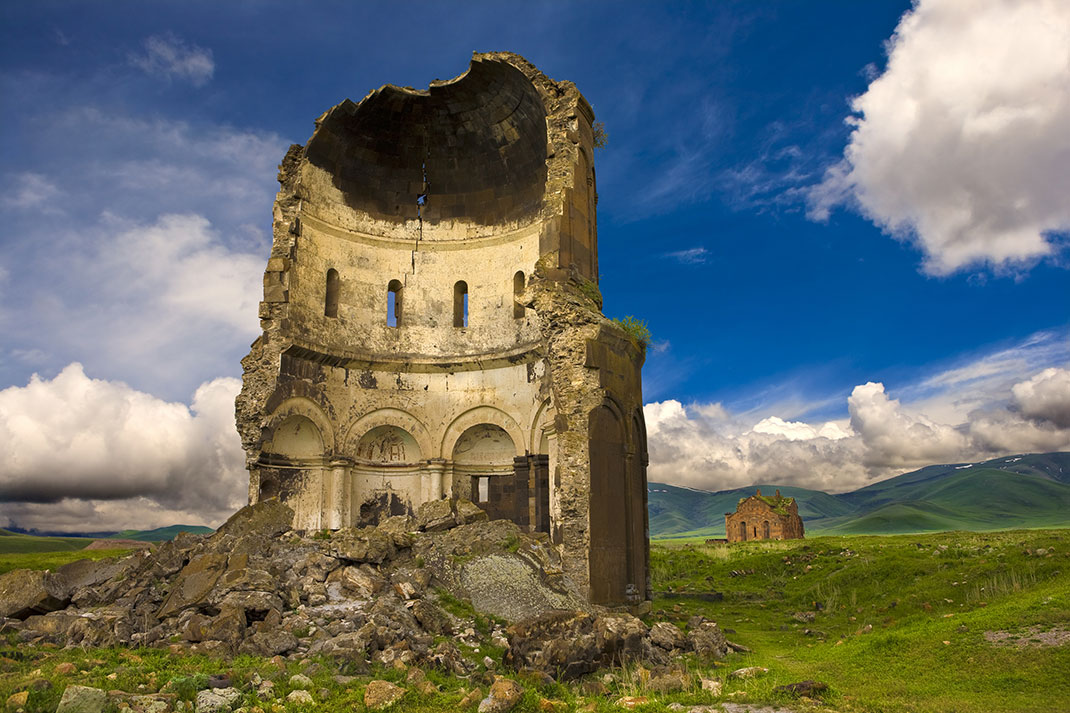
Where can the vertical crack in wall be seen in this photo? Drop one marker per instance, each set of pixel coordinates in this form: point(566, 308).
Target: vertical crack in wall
point(421, 201)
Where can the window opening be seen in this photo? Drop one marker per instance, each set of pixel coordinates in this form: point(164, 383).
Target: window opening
point(484, 489)
point(393, 304)
point(518, 289)
point(330, 303)
point(460, 304)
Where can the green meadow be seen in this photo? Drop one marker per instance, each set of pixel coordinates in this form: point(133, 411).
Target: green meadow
point(889, 623)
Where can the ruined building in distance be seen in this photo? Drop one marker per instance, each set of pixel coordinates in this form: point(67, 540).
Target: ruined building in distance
point(761, 517)
point(432, 324)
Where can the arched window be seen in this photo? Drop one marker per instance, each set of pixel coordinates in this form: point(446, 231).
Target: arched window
point(330, 303)
point(518, 289)
point(460, 304)
point(393, 304)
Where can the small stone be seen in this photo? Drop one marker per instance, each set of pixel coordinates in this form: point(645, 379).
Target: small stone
point(17, 700)
point(504, 694)
point(217, 700)
point(65, 668)
point(470, 699)
point(489, 663)
point(712, 685)
point(301, 697)
point(630, 702)
point(810, 689)
point(548, 706)
point(382, 694)
point(300, 681)
point(81, 699)
point(748, 672)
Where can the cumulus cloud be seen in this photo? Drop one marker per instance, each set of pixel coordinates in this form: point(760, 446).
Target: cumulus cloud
point(1045, 397)
point(962, 145)
point(169, 57)
point(708, 446)
point(141, 249)
point(89, 454)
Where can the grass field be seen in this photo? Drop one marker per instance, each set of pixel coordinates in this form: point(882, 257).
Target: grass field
point(16, 542)
point(898, 622)
point(892, 623)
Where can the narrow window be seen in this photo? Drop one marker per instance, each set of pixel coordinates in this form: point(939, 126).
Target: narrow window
point(518, 289)
point(484, 489)
point(460, 304)
point(393, 304)
point(330, 304)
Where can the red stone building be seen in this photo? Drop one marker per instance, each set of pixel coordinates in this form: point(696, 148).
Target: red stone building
point(761, 517)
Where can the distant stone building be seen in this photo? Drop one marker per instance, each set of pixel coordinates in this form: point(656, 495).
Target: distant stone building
point(432, 324)
point(761, 517)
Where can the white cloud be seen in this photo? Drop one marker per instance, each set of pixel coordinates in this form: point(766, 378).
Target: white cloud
point(708, 446)
point(88, 454)
point(1045, 397)
point(690, 256)
point(31, 190)
point(962, 145)
point(169, 57)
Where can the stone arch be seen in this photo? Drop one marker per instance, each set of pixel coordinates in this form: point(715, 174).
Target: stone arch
point(399, 418)
point(301, 406)
point(482, 415)
point(297, 438)
point(389, 445)
point(538, 427)
point(485, 464)
point(608, 507)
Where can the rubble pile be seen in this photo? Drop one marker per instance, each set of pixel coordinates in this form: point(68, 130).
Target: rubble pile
point(399, 591)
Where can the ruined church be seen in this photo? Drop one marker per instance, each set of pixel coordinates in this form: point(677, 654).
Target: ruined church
point(432, 325)
point(761, 517)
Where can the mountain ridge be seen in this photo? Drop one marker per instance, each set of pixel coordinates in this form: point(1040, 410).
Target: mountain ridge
point(1026, 490)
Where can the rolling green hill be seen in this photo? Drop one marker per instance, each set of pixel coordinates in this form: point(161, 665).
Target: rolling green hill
point(1027, 491)
point(14, 542)
point(161, 534)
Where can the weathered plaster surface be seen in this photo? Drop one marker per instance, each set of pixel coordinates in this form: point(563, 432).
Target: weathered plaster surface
point(481, 186)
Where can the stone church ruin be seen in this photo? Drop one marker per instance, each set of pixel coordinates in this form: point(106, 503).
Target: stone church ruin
point(432, 325)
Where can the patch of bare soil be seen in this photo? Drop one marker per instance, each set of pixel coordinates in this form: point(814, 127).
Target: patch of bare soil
point(1033, 637)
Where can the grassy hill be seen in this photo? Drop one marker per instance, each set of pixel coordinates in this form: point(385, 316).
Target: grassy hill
point(14, 542)
point(161, 534)
point(1027, 491)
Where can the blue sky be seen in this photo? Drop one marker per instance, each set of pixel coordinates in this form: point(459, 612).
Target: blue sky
point(845, 224)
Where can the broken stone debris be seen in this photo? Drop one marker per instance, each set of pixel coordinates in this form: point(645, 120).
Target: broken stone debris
point(362, 595)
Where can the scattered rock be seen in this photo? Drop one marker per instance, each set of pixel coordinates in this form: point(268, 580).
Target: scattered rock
point(382, 694)
point(667, 636)
point(65, 668)
point(300, 697)
point(25, 592)
point(630, 702)
point(470, 699)
point(301, 681)
point(216, 700)
point(504, 694)
point(17, 700)
point(810, 689)
point(748, 672)
point(81, 699)
point(435, 515)
point(711, 685)
point(707, 640)
point(671, 682)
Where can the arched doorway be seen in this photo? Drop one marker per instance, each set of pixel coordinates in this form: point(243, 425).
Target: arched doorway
point(608, 511)
point(765, 529)
point(483, 456)
point(743, 530)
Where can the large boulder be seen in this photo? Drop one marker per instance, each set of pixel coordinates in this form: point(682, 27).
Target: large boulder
point(25, 592)
point(269, 518)
point(81, 699)
point(435, 515)
point(195, 582)
point(708, 641)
